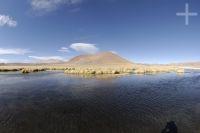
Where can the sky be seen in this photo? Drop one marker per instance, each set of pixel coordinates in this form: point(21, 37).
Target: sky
point(142, 31)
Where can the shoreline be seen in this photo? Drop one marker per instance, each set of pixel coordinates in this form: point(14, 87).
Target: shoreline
point(97, 70)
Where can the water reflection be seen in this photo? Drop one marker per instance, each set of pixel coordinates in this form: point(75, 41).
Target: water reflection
point(93, 76)
point(56, 103)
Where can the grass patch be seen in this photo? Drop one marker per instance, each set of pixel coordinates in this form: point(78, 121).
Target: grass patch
point(95, 70)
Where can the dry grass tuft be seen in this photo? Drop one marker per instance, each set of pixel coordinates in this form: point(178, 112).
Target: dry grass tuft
point(95, 70)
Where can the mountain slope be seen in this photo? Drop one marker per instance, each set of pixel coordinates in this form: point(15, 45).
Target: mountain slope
point(100, 59)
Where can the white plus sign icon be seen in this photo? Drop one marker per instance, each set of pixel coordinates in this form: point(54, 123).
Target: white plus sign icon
point(187, 14)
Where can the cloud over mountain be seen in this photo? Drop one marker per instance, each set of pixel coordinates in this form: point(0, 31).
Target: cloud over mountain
point(84, 47)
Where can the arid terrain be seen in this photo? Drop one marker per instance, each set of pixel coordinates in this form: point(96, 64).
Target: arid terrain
point(100, 63)
point(194, 65)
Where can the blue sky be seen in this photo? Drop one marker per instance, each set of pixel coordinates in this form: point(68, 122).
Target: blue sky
point(142, 31)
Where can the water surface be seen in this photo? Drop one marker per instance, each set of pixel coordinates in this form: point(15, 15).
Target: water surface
point(52, 102)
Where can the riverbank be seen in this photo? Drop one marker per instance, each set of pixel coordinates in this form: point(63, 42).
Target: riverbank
point(95, 70)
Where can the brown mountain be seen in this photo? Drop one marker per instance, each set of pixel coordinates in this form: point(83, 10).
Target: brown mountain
point(100, 59)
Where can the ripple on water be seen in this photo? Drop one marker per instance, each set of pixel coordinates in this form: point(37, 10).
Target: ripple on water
point(56, 103)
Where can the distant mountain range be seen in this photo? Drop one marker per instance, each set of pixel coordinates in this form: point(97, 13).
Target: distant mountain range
point(189, 64)
point(98, 59)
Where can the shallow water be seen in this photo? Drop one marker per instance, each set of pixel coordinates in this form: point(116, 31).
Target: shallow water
point(52, 102)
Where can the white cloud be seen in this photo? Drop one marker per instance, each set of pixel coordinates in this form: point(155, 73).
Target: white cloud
point(17, 51)
point(7, 21)
point(46, 58)
point(49, 5)
point(3, 61)
point(114, 52)
point(64, 50)
point(84, 47)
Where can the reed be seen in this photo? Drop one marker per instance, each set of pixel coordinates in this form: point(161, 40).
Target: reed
point(95, 70)
point(158, 69)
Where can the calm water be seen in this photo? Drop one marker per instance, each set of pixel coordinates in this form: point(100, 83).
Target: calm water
point(51, 102)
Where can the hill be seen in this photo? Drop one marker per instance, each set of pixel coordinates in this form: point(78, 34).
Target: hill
point(189, 64)
point(100, 59)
